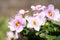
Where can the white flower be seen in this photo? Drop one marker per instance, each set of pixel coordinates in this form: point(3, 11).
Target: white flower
point(34, 22)
point(57, 15)
point(42, 17)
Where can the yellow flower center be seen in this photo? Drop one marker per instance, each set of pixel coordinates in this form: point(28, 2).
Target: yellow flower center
point(17, 24)
point(34, 22)
point(50, 13)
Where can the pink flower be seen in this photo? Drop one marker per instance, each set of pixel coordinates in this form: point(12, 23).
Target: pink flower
point(38, 7)
point(50, 12)
point(33, 22)
point(17, 24)
point(11, 35)
point(22, 13)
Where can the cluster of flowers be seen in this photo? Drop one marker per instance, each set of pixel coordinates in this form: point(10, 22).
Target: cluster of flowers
point(39, 16)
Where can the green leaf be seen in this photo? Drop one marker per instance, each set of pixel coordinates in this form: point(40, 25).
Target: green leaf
point(25, 31)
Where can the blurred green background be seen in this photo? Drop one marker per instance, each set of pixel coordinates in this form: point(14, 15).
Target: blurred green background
point(9, 8)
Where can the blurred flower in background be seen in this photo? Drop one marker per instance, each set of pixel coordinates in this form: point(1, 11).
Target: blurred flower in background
point(12, 36)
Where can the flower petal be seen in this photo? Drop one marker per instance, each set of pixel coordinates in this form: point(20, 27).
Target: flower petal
point(12, 28)
point(19, 29)
point(37, 28)
point(29, 25)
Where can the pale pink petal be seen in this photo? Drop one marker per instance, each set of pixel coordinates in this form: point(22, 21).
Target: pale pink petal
point(21, 11)
point(12, 28)
point(16, 35)
point(51, 6)
point(38, 7)
point(33, 7)
point(19, 29)
point(10, 35)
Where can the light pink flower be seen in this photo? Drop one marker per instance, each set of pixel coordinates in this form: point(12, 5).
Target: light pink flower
point(50, 12)
point(22, 13)
point(38, 7)
point(11, 35)
point(17, 24)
